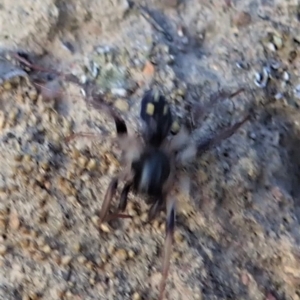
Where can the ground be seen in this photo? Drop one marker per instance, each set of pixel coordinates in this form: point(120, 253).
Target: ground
point(237, 233)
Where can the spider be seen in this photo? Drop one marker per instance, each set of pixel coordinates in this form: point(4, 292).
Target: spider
point(150, 161)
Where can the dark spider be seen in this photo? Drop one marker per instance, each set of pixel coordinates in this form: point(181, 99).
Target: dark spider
point(151, 158)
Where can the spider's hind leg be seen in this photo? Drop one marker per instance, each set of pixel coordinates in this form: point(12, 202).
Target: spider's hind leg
point(170, 228)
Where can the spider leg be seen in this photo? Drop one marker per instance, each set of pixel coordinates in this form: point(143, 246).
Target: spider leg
point(171, 215)
point(200, 110)
point(111, 190)
point(124, 195)
point(125, 175)
point(194, 149)
point(154, 209)
point(225, 134)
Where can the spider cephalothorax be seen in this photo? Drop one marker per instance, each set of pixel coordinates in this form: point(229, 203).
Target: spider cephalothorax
point(151, 159)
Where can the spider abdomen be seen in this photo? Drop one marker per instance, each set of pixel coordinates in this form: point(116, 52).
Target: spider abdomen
point(151, 172)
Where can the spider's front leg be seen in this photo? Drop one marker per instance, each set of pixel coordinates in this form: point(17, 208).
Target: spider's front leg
point(200, 110)
point(126, 175)
point(170, 227)
point(198, 148)
point(124, 196)
point(225, 134)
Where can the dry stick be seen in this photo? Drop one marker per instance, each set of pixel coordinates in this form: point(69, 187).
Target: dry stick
point(34, 67)
point(68, 77)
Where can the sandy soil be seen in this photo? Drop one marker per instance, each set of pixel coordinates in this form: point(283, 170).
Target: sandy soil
point(237, 234)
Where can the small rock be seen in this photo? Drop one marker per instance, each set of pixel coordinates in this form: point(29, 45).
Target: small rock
point(104, 228)
point(92, 164)
point(47, 249)
point(120, 92)
point(277, 40)
point(14, 221)
point(95, 220)
point(7, 86)
point(245, 278)
point(148, 69)
point(136, 296)
point(131, 254)
point(242, 19)
point(3, 249)
point(65, 260)
point(76, 247)
point(175, 127)
point(33, 95)
point(297, 91)
point(81, 259)
point(121, 254)
point(122, 105)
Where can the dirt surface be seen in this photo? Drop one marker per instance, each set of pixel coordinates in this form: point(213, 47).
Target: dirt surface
point(237, 234)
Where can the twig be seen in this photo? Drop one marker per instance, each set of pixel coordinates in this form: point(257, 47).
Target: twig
point(34, 67)
point(154, 23)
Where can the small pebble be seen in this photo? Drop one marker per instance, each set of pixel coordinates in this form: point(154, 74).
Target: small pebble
point(120, 92)
point(175, 127)
point(3, 249)
point(81, 259)
point(121, 254)
point(95, 220)
point(272, 47)
point(286, 76)
point(104, 228)
point(242, 19)
point(277, 41)
point(82, 161)
point(131, 254)
point(121, 104)
point(7, 85)
point(65, 260)
point(76, 247)
point(32, 94)
point(136, 296)
point(47, 249)
point(252, 135)
point(297, 91)
point(92, 164)
point(69, 294)
point(14, 221)
point(278, 96)
point(149, 69)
